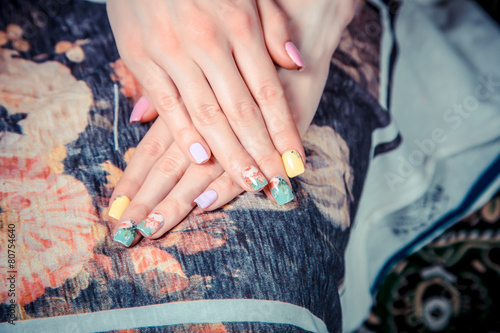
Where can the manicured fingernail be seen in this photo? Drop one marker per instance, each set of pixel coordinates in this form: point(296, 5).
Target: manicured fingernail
point(118, 206)
point(198, 152)
point(280, 190)
point(126, 232)
point(206, 199)
point(140, 107)
point(293, 163)
point(294, 54)
point(151, 224)
point(254, 178)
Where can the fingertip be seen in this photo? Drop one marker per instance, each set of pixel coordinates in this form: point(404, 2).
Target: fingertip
point(149, 115)
point(293, 163)
point(206, 199)
point(139, 109)
point(118, 206)
point(281, 190)
point(126, 233)
point(294, 54)
point(199, 153)
point(150, 226)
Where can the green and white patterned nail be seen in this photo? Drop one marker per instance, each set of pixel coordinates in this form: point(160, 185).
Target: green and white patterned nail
point(126, 232)
point(151, 224)
point(254, 178)
point(280, 190)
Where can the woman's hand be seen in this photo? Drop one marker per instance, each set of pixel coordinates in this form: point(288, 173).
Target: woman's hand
point(207, 70)
point(163, 183)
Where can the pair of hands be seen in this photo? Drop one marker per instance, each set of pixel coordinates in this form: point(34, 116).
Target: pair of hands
point(241, 109)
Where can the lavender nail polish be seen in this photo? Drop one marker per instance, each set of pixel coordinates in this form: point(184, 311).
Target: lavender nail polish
point(206, 199)
point(198, 152)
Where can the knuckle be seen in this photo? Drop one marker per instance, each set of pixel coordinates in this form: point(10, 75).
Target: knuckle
point(280, 19)
point(281, 137)
point(269, 159)
point(168, 104)
point(207, 114)
point(185, 135)
point(205, 33)
point(243, 112)
point(205, 30)
point(128, 184)
point(140, 208)
point(164, 34)
point(172, 206)
point(269, 93)
point(242, 22)
point(227, 183)
point(211, 170)
point(169, 166)
point(152, 148)
point(131, 51)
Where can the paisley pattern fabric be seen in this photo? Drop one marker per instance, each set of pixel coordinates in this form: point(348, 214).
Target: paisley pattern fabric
point(449, 285)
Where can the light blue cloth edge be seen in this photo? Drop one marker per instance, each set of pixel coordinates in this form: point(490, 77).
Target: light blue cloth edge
point(176, 313)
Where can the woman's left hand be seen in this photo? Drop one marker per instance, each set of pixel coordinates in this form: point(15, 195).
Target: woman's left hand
point(165, 186)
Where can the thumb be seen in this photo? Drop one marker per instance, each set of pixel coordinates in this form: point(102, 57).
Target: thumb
point(275, 27)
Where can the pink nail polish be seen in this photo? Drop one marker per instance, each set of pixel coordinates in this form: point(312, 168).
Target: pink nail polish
point(198, 152)
point(206, 199)
point(140, 107)
point(294, 54)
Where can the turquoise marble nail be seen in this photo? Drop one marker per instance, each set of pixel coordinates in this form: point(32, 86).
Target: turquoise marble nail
point(126, 232)
point(280, 190)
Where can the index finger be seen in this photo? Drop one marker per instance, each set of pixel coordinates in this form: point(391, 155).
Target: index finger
point(266, 88)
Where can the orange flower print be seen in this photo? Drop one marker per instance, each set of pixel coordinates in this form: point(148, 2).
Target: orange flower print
point(156, 265)
point(254, 178)
point(51, 216)
point(199, 232)
point(274, 183)
point(152, 223)
point(130, 87)
point(49, 105)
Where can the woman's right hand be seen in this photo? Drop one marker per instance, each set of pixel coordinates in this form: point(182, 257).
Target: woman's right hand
point(207, 69)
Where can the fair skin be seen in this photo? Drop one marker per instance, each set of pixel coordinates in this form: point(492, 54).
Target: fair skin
point(213, 83)
point(156, 183)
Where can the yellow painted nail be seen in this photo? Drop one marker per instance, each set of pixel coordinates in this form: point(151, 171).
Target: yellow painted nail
point(118, 206)
point(293, 163)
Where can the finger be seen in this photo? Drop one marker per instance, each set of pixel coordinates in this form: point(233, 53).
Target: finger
point(165, 98)
point(150, 149)
point(239, 110)
point(207, 116)
point(180, 201)
point(163, 177)
point(220, 192)
point(223, 190)
point(246, 121)
point(277, 37)
point(126, 233)
point(149, 115)
point(266, 88)
point(143, 110)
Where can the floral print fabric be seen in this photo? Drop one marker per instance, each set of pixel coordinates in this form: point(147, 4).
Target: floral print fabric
point(65, 99)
